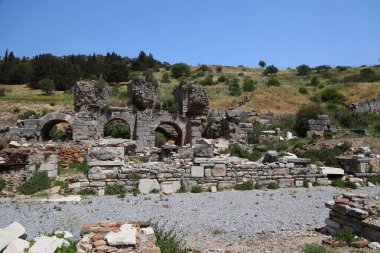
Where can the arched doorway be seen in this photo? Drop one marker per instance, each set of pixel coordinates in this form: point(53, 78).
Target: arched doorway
point(117, 128)
point(57, 130)
point(168, 132)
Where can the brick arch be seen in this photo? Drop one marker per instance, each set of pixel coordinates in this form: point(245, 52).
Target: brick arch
point(177, 123)
point(122, 120)
point(123, 115)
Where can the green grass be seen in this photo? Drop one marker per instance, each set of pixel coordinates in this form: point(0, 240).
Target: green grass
point(374, 179)
point(72, 248)
point(75, 168)
point(182, 189)
point(346, 235)
point(86, 192)
point(196, 189)
point(316, 248)
point(37, 99)
point(273, 186)
point(3, 184)
point(115, 190)
point(343, 184)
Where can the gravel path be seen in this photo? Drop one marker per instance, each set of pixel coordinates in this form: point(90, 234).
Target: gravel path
point(221, 217)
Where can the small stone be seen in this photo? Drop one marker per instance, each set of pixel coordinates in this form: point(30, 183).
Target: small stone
point(342, 201)
point(99, 243)
point(214, 189)
point(148, 231)
point(374, 245)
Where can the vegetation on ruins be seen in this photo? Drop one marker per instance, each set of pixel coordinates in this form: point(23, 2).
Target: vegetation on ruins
point(246, 186)
point(3, 183)
point(273, 186)
point(168, 240)
point(38, 182)
point(58, 134)
point(346, 235)
point(196, 189)
point(338, 182)
point(117, 129)
point(305, 113)
point(316, 248)
point(326, 155)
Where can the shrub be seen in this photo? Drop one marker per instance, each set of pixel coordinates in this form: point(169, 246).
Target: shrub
point(376, 127)
point(117, 129)
point(182, 189)
point(262, 64)
point(273, 186)
point(343, 184)
point(114, 190)
point(316, 248)
point(270, 70)
point(273, 82)
point(196, 189)
point(322, 68)
point(222, 79)
point(3, 183)
point(237, 150)
point(346, 235)
point(331, 95)
point(168, 240)
point(180, 69)
point(159, 139)
point(38, 182)
point(352, 119)
point(2, 92)
point(249, 85)
point(306, 183)
point(304, 114)
point(135, 191)
point(234, 88)
point(155, 191)
point(314, 81)
point(165, 78)
point(303, 70)
point(327, 156)
point(208, 81)
point(86, 192)
point(204, 68)
point(302, 90)
point(341, 68)
point(257, 186)
point(57, 134)
point(328, 135)
point(219, 69)
point(246, 186)
point(29, 114)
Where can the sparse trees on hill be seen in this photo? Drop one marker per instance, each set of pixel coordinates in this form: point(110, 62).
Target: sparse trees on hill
point(270, 70)
point(234, 88)
point(262, 64)
point(303, 70)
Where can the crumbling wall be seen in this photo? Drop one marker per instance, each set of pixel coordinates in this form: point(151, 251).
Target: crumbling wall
point(191, 98)
point(370, 105)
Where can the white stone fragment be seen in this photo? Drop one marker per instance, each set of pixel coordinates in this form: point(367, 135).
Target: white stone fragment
point(148, 231)
point(8, 234)
point(122, 238)
point(45, 244)
point(17, 246)
point(147, 185)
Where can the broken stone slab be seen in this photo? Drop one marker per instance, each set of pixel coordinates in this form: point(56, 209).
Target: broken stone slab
point(10, 233)
point(358, 213)
point(147, 185)
point(210, 160)
point(197, 171)
point(332, 171)
point(17, 246)
point(122, 238)
point(46, 244)
point(270, 157)
point(105, 163)
point(147, 231)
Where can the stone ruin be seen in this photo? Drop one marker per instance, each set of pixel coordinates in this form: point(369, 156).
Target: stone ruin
point(369, 105)
point(142, 93)
point(192, 99)
point(357, 212)
point(317, 127)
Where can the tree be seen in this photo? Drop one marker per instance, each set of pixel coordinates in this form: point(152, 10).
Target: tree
point(117, 72)
point(314, 81)
point(46, 85)
point(208, 81)
point(331, 95)
point(180, 69)
point(219, 69)
point(234, 88)
point(262, 64)
point(304, 114)
point(303, 70)
point(270, 70)
point(21, 73)
point(323, 68)
point(249, 85)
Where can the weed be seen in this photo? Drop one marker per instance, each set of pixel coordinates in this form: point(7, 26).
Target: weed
point(3, 184)
point(135, 191)
point(343, 184)
point(86, 192)
point(155, 190)
point(218, 232)
point(169, 241)
point(134, 176)
point(315, 248)
point(346, 235)
point(39, 181)
point(114, 190)
point(182, 189)
point(72, 248)
point(196, 189)
point(246, 186)
point(371, 179)
point(273, 186)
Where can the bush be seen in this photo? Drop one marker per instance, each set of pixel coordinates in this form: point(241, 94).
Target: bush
point(182, 189)
point(57, 134)
point(331, 95)
point(29, 114)
point(304, 114)
point(237, 150)
point(346, 235)
point(115, 190)
point(273, 186)
point(208, 81)
point(159, 139)
point(371, 179)
point(343, 184)
point(222, 79)
point(168, 240)
point(328, 135)
point(326, 156)
point(303, 70)
point(352, 119)
point(341, 68)
point(302, 90)
point(246, 186)
point(165, 78)
point(38, 182)
point(316, 248)
point(270, 70)
point(196, 189)
point(314, 81)
point(117, 129)
point(2, 92)
point(3, 184)
point(180, 69)
point(219, 69)
point(249, 85)
point(234, 88)
point(273, 82)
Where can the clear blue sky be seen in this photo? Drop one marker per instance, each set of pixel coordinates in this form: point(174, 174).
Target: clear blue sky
point(285, 33)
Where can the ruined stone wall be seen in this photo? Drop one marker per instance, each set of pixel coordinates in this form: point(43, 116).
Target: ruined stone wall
point(370, 105)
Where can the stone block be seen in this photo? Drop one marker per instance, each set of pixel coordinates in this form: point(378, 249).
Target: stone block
point(197, 171)
point(358, 213)
point(324, 181)
point(10, 233)
point(47, 244)
point(204, 150)
point(219, 170)
point(17, 246)
point(147, 185)
point(151, 250)
point(332, 223)
point(170, 186)
point(124, 237)
point(298, 183)
point(98, 183)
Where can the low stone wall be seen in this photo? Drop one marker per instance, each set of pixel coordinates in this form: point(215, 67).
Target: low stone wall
point(356, 212)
